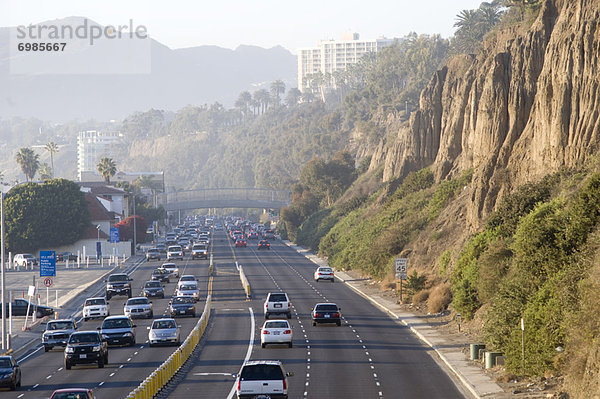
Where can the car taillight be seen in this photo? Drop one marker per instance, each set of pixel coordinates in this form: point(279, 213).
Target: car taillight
point(239, 384)
point(317, 314)
point(336, 315)
point(284, 384)
point(266, 332)
point(289, 304)
point(287, 332)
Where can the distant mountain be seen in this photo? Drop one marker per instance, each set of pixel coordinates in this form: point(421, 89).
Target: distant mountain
point(196, 75)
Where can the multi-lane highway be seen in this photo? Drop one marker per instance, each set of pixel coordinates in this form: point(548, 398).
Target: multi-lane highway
point(369, 356)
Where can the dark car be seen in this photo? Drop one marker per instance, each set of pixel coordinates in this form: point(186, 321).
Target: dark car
point(10, 373)
point(264, 244)
point(20, 306)
point(64, 256)
point(160, 275)
point(73, 393)
point(118, 330)
point(153, 289)
point(57, 333)
point(269, 234)
point(152, 253)
point(240, 243)
point(86, 347)
point(183, 306)
point(326, 313)
point(118, 284)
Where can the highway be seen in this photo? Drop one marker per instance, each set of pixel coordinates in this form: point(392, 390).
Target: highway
point(369, 356)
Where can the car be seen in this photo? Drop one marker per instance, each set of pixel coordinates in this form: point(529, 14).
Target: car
point(324, 273)
point(164, 331)
point(152, 253)
point(86, 347)
point(153, 289)
point(64, 256)
point(57, 333)
point(262, 378)
point(277, 303)
point(326, 313)
point(264, 244)
point(253, 235)
point(95, 307)
point(188, 288)
point(73, 393)
point(118, 330)
point(182, 306)
point(171, 268)
point(175, 252)
point(162, 248)
point(138, 307)
point(276, 332)
point(10, 373)
point(160, 275)
point(240, 243)
point(25, 260)
point(199, 251)
point(187, 277)
point(118, 284)
point(20, 307)
point(269, 235)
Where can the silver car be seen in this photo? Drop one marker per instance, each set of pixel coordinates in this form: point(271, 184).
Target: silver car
point(188, 288)
point(164, 331)
point(138, 307)
point(57, 333)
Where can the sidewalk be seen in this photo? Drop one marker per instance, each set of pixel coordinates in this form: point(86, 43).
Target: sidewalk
point(449, 350)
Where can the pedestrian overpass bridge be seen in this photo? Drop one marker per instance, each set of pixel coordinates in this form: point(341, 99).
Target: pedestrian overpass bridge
point(225, 198)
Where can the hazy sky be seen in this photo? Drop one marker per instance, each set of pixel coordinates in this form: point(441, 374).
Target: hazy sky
point(227, 23)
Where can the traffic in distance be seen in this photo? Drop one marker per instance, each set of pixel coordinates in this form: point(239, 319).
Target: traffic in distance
point(154, 304)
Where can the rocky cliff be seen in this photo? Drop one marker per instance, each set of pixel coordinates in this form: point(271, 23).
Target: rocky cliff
point(526, 105)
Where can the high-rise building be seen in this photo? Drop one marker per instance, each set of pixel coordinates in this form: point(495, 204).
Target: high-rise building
point(92, 146)
point(333, 55)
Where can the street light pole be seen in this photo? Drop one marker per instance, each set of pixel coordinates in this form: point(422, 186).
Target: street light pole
point(134, 229)
point(4, 346)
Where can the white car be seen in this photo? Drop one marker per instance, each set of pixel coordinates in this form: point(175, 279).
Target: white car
point(164, 331)
point(172, 269)
point(25, 260)
point(138, 307)
point(174, 252)
point(188, 288)
point(324, 273)
point(276, 332)
point(95, 307)
point(186, 278)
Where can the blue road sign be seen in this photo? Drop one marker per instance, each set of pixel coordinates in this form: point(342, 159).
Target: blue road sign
point(114, 234)
point(47, 263)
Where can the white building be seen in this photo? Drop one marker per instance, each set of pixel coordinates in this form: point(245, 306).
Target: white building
point(92, 146)
point(333, 55)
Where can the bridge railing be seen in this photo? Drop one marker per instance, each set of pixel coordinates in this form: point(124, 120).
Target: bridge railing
point(215, 194)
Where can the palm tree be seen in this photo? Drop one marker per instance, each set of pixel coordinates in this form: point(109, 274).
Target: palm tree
point(263, 98)
point(107, 168)
point(52, 148)
point(45, 172)
point(277, 87)
point(28, 162)
point(293, 96)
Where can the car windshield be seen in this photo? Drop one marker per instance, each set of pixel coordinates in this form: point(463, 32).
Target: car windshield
point(325, 270)
point(116, 323)
point(84, 338)
point(259, 372)
point(326, 308)
point(276, 324)
point(163, 324)
point(277, 298)
point(199, 247)
point(137, 301)
point(118, 277)
point(96, 301)
point(188, 278)
point(60, 325)
point(28, 256)
point(5, 363)
point(70, 395)
point(152, 284)
point(181, 299)
point(188, 287)
point(174, 248)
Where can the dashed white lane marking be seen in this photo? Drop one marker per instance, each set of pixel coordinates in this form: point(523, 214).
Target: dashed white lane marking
point(35, 386)
point(102, 383)
point(48, 377)
point(129, 359)
point(60, 368)
point(121, 366)
point(111, 374)
point(135, 353)
point(21, 395)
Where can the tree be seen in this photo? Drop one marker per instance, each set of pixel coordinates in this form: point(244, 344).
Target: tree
point(244, 102)
point(107, 168)
point(293, 96)
point(28, 162)
point(263, 98)
point(52, 148)
point(45, 172)
point(126, 228)
point(277, 88)
point(45, 215)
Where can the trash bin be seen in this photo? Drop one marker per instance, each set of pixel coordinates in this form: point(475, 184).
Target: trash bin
point(475, 348)
point(490, 359)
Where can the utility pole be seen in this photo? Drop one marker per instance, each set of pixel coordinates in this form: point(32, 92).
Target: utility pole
point(134, 229)
point(4, 346)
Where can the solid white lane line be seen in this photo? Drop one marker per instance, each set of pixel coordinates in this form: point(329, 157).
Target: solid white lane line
point(249, 351)
point(31, 354)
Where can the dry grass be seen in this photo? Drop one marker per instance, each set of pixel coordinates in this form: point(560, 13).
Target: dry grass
point(421, 296)
point(439, 299)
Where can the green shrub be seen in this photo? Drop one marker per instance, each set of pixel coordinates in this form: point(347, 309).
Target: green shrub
point(444, 262)
point(415, 282)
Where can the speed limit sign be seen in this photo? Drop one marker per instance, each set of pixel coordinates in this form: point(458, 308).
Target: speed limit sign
point(48, 281)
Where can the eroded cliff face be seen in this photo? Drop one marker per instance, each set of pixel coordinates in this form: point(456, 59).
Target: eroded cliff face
point(525, 106)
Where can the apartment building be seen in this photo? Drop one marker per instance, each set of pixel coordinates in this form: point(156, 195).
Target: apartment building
point(93, 145)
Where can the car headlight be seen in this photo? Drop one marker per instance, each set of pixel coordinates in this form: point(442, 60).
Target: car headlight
point(128, 334)
point(125, 310)
point(110, 286)
point(152, 334)
point(69, 349)
point(96, 348)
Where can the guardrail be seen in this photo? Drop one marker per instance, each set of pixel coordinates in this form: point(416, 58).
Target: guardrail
point(245, 283)
point(162, 375)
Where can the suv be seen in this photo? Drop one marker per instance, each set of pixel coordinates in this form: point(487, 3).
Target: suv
point(278, 303)
point(86, 347)
point(57, 333)
point(175, 252)
point(118, 330)
point(262, 378)
point(118, 284)
point(199, 251)
point(95, 307)
point(326, 313)
point(153, 253)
